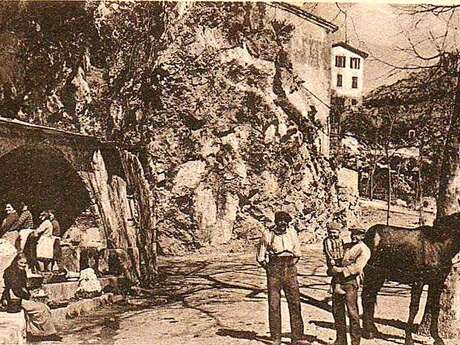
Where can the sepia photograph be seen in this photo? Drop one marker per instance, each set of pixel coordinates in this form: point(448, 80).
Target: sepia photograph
point(229, 172)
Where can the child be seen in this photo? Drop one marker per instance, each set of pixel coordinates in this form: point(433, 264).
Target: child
point(334, 249)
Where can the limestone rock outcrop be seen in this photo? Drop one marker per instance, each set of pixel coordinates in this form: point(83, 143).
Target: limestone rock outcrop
point(225, 104)
point(242, 140)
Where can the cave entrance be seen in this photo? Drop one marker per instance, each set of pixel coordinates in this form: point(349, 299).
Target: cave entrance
point(43, 179)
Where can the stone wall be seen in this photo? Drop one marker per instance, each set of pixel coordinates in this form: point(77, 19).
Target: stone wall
point(348, 196)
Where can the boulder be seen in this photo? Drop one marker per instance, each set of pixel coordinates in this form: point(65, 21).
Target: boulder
point(205, 212)
point(224, 226)
point(189, 175)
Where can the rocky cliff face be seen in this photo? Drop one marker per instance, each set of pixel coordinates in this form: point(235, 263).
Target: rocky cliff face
point(222, 99)
point(238, 146)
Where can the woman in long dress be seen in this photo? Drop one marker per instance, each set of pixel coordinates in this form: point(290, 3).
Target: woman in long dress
point(46, 241)
point(39, 324)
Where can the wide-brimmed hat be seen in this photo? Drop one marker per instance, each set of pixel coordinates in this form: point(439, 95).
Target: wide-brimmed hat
point(357, 230)
point(282, 215)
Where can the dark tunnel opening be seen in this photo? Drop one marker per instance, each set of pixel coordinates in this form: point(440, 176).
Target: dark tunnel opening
point(43, 179)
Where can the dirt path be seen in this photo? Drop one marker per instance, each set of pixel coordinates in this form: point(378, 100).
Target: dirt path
point(221, 299)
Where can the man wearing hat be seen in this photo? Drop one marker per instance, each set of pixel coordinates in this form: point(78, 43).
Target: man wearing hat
point(278, 253)
point(355, 257)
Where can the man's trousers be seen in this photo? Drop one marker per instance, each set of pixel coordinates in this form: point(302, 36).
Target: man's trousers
point(282, 275)
point(350, 301)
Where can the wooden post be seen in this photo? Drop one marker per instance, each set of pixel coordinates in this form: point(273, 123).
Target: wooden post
point(389, 186)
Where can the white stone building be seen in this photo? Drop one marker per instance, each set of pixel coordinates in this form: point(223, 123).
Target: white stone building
point(347, 72)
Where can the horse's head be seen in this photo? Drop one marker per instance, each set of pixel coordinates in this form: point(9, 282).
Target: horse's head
point(448, 226)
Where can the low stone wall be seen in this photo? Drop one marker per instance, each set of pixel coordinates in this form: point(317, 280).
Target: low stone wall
point(12, 329)
point(84, 306)
point(13, 326)
point(348, 196)
point(347, 179)
point(66, 290)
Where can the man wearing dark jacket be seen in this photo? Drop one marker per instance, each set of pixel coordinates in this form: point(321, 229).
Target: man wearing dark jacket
point(55, 223)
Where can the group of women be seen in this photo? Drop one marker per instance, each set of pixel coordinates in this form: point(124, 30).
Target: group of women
point(41, 243)
point(13, 222)
point(18, 230)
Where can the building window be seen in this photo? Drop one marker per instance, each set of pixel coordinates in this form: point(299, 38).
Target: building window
point(339, 80)
point(355, 63)
point(340, 61)
point(354, 82)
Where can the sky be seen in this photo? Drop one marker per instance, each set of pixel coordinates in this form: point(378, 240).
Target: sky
point(384, 31)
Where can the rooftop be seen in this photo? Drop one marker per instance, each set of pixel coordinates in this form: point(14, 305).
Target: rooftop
point(419, 87)
point(361, 53)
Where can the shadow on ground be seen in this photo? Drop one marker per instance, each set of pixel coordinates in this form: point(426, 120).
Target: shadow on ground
point(252, 335)
point(388, 337)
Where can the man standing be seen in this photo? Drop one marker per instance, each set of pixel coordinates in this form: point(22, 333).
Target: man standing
point(279, 252)
point(348, 274)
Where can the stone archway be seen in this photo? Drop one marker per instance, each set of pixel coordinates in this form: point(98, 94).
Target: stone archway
point(70, 172)
point(43, 178)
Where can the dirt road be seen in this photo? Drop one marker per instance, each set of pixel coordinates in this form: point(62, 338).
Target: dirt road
point(221, 299)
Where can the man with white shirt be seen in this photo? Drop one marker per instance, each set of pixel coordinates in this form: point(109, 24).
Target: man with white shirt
point(278, 253)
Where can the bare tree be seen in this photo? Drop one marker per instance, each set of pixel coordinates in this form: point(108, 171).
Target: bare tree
point(432, 46)
point(445, 59)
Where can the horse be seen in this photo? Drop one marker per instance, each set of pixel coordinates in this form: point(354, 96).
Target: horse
point(418, 257)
